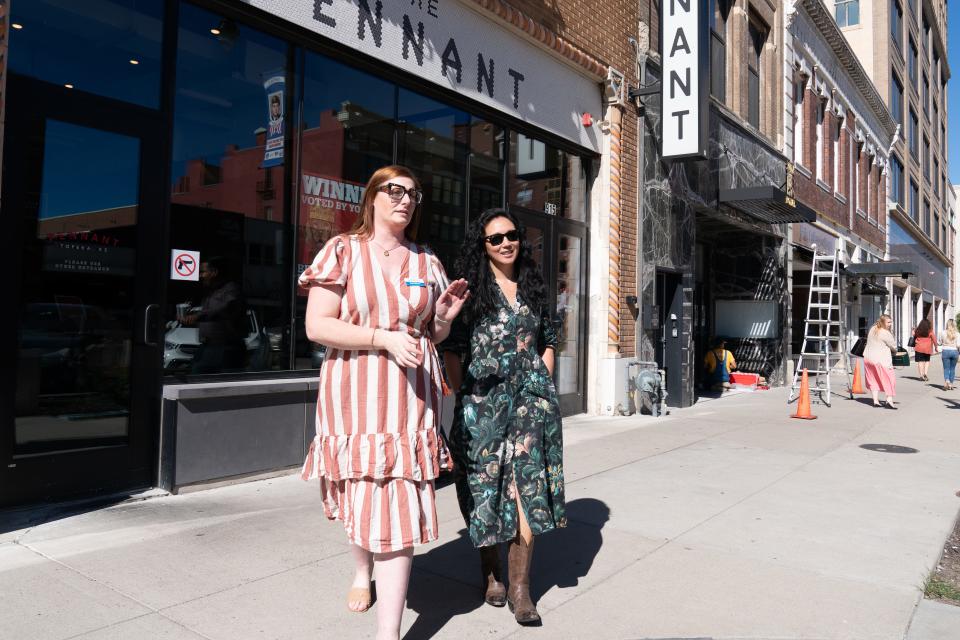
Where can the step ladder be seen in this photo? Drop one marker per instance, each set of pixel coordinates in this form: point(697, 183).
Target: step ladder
point(823, 352)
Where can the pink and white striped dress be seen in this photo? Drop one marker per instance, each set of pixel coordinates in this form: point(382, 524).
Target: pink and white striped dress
point(377, 449)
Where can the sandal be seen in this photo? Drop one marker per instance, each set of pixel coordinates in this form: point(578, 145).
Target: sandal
point(890, 405)
point(361, 594)
point(877, 404)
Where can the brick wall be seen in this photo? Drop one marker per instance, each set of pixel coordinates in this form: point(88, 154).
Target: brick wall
point(602, 31)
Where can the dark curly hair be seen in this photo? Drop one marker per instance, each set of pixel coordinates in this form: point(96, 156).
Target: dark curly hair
point(473, 265)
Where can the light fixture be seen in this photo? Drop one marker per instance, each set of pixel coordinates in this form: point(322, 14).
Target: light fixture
point(215, 31)
point(17, 25)
point(68, 86)
point(134, 61)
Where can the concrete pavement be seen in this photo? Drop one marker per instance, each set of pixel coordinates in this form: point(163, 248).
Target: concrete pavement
point(726, 520)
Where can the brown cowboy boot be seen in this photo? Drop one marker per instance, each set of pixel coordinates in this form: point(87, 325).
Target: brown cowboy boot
point(518, 594)
point(494, 594)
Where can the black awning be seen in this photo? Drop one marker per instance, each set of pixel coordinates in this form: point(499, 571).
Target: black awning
point(767, 204)
point(868, 288)
point(887, 268)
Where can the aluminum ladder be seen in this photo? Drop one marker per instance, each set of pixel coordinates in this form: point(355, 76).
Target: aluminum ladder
point(823, 352)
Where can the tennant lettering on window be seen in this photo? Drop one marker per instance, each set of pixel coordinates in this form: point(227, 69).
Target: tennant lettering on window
point(686, 74)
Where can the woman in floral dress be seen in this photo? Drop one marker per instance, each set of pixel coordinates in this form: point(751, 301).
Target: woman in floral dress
point(506, 437)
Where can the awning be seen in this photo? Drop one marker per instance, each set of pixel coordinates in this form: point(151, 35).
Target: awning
point(868, 288)
point(887, 268)
point(767, 204)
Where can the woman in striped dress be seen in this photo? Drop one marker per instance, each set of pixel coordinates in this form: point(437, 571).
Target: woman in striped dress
point(379, 302)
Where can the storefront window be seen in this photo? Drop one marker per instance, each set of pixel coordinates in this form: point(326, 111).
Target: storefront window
point(486, 166)
point(544, 178)
point(227, 200)
point(346, 134)
point(536, 174)
point(108, 47)
point(433, 140)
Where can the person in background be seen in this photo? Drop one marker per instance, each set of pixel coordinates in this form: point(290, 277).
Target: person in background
point(924, 345)
point(950, 351)
point(717, 364)
point(878, 361)
point(221, 322)
point(379, 302)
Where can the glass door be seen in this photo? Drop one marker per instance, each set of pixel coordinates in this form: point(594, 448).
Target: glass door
point(569, 285)
point(82, 209)
point(559, 247)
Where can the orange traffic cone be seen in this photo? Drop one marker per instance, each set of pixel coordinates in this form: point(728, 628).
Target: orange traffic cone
point(803, 405)
point(857, 381)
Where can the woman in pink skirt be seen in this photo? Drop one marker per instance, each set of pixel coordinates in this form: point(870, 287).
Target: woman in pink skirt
point(878, 361)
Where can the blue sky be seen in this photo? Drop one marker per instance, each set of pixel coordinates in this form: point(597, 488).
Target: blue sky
point(953, 91)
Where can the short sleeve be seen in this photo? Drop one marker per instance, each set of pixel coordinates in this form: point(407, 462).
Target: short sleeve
point(548, 331)
point(329, 267)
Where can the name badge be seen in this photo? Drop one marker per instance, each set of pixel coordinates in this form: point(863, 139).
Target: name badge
point(414, 283)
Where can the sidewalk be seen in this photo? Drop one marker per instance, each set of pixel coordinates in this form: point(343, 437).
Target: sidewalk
point(726, 520)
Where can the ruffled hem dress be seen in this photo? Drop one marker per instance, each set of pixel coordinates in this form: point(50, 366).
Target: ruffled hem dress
point(377, 451)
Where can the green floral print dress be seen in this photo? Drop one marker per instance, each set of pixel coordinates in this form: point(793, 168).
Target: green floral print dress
point(506, 433)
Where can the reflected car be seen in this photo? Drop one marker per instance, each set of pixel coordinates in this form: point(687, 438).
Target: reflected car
point(181, 343)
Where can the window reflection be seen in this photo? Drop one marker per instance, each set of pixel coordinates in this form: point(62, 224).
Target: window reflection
point(227, 199)
point(345, 135)
point(486, 166)
point(76, 318)
point(107, 47)
point(544, 178)
point(433, 140)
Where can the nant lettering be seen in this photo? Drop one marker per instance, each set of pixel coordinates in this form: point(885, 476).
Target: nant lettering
point(413, 46)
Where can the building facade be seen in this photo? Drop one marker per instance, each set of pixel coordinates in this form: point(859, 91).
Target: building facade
point(162, 156)
point(902, 44)
point(714, 234)
point(838, 132)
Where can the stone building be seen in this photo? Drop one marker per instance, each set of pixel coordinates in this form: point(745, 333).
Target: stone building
point(902, 45)
point(714, 232)
point(838, 133)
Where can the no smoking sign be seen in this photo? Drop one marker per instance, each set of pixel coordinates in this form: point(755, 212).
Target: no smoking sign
point(185, 265)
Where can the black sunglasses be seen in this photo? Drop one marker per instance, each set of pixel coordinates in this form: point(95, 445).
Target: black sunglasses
point(496, 239)
point(396, 192)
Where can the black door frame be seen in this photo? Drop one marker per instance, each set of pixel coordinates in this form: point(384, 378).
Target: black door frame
point(670, 356)
point(26, 478)
point(552, 227)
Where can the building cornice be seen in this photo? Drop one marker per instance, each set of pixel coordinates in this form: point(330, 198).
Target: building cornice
point(547, 37)
point(824, 21)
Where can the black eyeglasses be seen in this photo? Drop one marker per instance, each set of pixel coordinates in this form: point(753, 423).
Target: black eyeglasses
point(496, 239)
point(396, 192)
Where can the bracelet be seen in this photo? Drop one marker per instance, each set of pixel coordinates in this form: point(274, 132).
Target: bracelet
point(372, 336)
point(439, 321)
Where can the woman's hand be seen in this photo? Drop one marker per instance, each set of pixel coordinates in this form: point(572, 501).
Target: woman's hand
point(451, 301)
point(404, 348)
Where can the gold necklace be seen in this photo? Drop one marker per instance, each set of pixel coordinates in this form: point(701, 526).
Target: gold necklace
point(386, 252)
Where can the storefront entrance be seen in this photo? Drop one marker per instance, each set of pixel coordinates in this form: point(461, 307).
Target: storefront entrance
point(559, 246)
point(83, 185)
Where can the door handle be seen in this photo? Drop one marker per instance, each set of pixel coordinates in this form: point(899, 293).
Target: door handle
point(147, 325)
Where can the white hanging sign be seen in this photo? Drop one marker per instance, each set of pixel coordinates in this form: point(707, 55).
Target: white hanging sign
point(685, 87)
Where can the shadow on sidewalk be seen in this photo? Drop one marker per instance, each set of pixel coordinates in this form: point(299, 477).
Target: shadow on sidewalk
point(950, 403)
point(560, 559)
